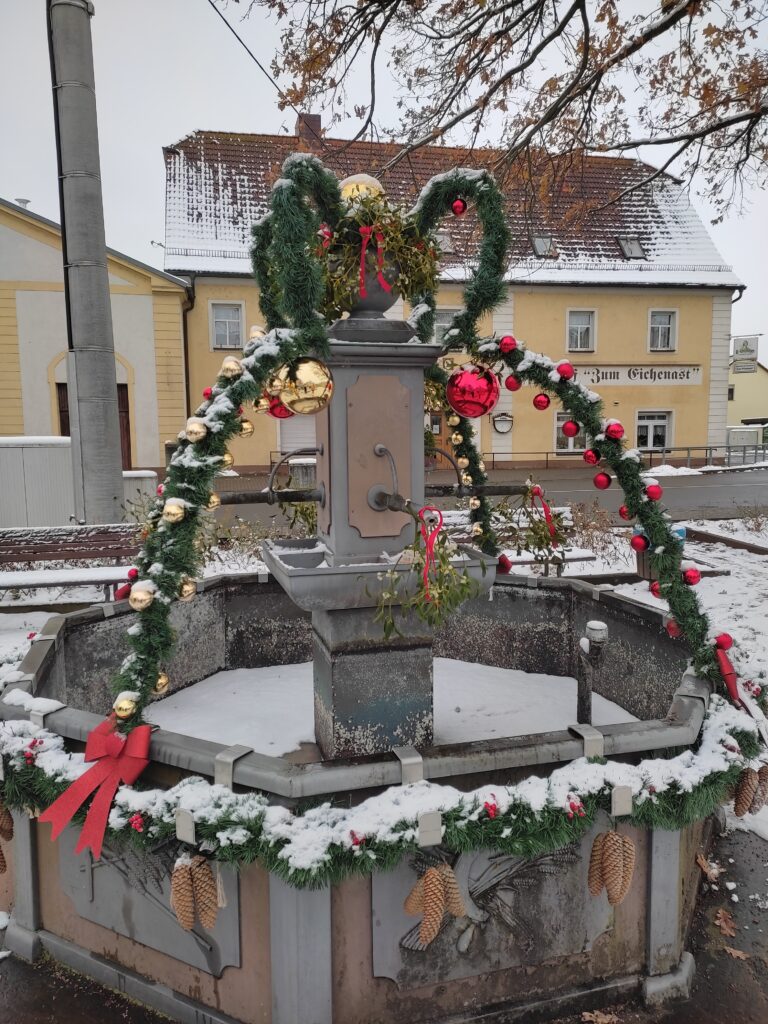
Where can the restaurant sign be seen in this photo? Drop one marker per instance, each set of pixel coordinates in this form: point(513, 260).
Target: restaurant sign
point(594, 376)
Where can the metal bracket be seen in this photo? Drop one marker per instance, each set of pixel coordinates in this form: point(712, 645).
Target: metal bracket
point(38, 717)
point(594, 741)
point(412, 764)
point(430, 829)
point(621, 801)
point(224, 764)
point(185, 826)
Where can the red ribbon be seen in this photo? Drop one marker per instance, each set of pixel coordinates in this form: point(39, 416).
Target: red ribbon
point(728, 672)
point(365, 233)
point(537, 492)
point(430, 538)
point(118, 760)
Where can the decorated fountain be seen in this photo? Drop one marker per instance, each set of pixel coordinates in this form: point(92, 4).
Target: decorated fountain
point(384, 872)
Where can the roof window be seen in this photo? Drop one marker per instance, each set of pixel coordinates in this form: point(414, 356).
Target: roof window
point(544, 246)
point(631, 246)
point(445, 241)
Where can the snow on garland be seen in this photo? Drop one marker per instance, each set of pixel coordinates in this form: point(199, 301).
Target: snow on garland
point(326, 843)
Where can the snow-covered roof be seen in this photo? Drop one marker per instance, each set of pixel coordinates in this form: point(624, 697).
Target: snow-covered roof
point(218, 184)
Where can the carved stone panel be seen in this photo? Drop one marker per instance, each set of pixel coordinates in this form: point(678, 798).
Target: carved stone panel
point(517, 912)
point(130, 894)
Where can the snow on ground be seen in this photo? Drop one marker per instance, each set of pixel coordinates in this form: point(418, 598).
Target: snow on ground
point(738, 529)
point(14, 630)
point(666, 470)
point(271, 709)
point(757, 823)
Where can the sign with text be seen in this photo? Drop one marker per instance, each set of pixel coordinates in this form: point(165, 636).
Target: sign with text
point(745, 353)
point(594, 376)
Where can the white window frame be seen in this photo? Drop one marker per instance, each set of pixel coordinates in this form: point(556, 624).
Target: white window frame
point(580, 309)
point(669, 425)
point(451, 311)
point(673, 339)
point(212, 303)
point(570, 447)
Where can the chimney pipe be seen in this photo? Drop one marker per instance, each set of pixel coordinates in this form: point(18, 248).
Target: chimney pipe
point(309, 129)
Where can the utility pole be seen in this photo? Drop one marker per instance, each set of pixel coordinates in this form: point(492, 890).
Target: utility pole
point(91, 382)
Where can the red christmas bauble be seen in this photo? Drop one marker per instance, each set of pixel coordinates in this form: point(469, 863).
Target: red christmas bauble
point(615, 431)
point(132, 574)
point(472, 392)
point(541, 401)
point(160, 491)
point(724, 641)
point(639, 542)
point(504, 564)
point(122, 592)
point(673, 629)
point(654, 491)
point(602, 481)
point(507, 344)
point(513, 383)
point(591, 457)
point(565, 369)
point(655, 588)
point(207, 392)
point(570, 428)
point(459, 207)
point(278, 410)
point(691, 576)
point(624, 512)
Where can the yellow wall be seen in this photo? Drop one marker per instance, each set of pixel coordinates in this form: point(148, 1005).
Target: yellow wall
point(750, 395)
point(169, 366)
point(11, 414)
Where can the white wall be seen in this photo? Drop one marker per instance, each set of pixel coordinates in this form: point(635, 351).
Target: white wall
point(718, 367)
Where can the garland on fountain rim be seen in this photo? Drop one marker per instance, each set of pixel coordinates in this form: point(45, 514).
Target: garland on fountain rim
point(322, 845)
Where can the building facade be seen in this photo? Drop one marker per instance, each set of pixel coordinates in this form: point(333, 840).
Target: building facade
point(748, 395)
point(148, 324)
point(635, 293)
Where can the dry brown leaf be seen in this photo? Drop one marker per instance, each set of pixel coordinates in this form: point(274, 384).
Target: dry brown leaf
point(726, 924)
point(737, 954)
point(598, 1017)
point(711, 870)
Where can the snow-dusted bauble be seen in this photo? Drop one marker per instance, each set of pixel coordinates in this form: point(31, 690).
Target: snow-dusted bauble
point(462, 462)
point(570, 428)
point(256, 333)
point(477, 529)
point(459, 207)
point(161, 683)
point(277, 410)
point(566, 370)
point(174, 510)
point(624, 512)
point(591, 457)
point(615, 431)
point(141, 598)
point(724, 641)
point(691, 576)
point(187, 588)
point(227, 460)
point(357, 185)
point(541, 401)
point(513, 383)
point(246, 428)
point(125, 705)
point(507, 344)
point(466, 479)
point(213, 502)
point(602, 481)
point(639, 542)
point(231, 368)
point(472, 391)
point(655, 588)
point(160, 490)
point(474, 502)
point(481, 466)
point(673, 628)
point(654, 491)
point(196, 430)
point(306, 388)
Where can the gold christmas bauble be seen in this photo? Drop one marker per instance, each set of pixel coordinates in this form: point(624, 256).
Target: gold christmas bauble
point(462, 462)
point(474, 502)
point(161, 683)
point(231, 368)
point(187, 589)
point(274, 385)
point(456, 437)
point(261, 404)
point(481, 466)
point(124, 707)
point(174, 510)
point(227, 460)
point(195, 430)
point(213, 502)
point(256, 332)
point(466, 479)
point(246, 428)
point(140, 598)
point(454, 420)
point(307, 387)
point(357, 185)
point(477, 529)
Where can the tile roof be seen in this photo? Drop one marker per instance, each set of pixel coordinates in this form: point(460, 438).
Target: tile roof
point(218, 184)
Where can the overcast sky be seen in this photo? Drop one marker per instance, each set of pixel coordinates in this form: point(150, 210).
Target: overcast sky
point(167, 67)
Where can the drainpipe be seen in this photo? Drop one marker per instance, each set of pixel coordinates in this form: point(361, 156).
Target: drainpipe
point(188, 306)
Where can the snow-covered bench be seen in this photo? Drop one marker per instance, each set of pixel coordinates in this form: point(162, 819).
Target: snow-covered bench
point(107, 577)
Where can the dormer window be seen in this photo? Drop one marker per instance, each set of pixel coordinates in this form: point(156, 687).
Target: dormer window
point(631, 246)
point(445, 241)
point(544, 246)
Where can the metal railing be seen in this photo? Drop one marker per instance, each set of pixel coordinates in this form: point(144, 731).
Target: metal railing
point(692, 456)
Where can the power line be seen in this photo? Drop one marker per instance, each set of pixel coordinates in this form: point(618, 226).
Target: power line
point(266, 73)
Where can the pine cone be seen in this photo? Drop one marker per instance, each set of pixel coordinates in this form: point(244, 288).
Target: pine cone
point(3, 865)
point(454, 904)
point(414, 901)
point(629, 866)
point(612, 863)
point(6, 824)
point(761, 793)
point(182, 895)
point(595, 873)
point(746, 788)
point(204, 889)
point(434, 906)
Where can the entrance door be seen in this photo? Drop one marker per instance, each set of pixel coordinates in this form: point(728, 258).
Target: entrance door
point(123, 412)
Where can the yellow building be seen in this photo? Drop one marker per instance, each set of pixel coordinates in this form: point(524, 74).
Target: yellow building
point(747, 395)
point(634, 294)
point(148, 324)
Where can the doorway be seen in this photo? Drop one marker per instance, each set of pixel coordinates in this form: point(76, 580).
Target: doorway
point(123, 412)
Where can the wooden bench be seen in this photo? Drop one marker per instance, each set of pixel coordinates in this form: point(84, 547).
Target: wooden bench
point(117, 541)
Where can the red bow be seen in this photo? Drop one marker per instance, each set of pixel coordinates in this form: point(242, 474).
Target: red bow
point(430, 537)
point(537, 492)
point(728, 672)
point(118, 760)
point(365, 233)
